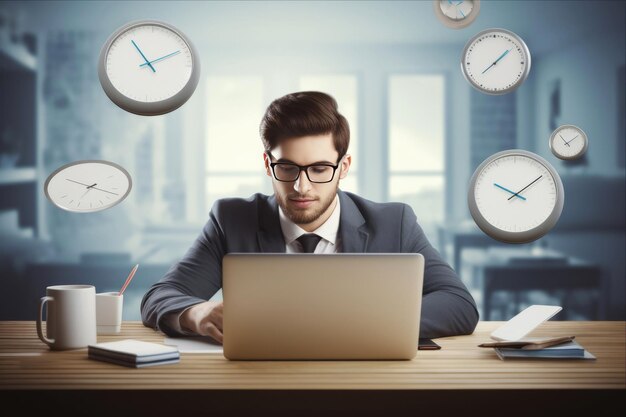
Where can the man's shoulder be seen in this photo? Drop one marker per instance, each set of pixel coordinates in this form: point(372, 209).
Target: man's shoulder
point(244, 214)
point(255, 202)
point(370, 207)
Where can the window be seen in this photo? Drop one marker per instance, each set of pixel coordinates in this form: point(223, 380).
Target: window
point(416, 105)
point(234, 150)
point(344, 89)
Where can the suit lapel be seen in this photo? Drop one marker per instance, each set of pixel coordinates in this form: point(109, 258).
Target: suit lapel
point(270, 235)
point(352, 227)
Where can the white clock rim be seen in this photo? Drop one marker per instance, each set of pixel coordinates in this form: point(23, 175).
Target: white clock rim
point(564, 157)
point(154, 108)
point(522, 78)
point(86, 161)
point(516, 237)
point(456, 24)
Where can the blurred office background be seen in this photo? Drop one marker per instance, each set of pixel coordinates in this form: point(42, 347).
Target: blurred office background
point(418, 132)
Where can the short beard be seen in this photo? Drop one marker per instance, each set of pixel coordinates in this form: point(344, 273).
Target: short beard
point(302, 216)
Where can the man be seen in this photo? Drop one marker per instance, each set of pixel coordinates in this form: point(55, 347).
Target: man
point(306, 143)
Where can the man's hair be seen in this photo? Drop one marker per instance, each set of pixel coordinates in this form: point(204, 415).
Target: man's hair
point(306, 113)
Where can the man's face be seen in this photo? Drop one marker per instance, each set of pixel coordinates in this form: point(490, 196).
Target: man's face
point(303, 201)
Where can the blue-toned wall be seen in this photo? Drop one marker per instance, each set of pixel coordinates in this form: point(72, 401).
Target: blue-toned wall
point(575, 44)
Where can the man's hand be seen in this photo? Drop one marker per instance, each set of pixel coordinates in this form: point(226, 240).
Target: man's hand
point(205, 319)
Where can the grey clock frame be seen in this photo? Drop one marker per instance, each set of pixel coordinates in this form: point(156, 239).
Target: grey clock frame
point(85, 161)
point(516, 237)
point(506, 90)
point(573, 157)
point(456, 24)
point(155, 108)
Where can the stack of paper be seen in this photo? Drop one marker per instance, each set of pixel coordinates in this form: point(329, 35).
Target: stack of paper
point(134, 353)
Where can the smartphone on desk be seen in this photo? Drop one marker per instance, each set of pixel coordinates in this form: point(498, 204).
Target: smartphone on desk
point(427, 344)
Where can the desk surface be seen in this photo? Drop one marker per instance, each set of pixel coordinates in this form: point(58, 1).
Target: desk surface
point(26, 363)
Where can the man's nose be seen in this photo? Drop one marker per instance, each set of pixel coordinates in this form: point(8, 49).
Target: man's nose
point(302, 184)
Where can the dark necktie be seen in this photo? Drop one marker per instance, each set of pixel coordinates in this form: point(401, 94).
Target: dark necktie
point(309, 241)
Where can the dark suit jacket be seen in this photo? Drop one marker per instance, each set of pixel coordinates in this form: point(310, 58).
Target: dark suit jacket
point(252, 225)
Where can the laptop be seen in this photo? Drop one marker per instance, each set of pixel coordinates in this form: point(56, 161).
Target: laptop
point(321, 306)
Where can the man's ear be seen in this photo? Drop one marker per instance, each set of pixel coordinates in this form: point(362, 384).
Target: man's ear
point(345, 166)
point(266, 162)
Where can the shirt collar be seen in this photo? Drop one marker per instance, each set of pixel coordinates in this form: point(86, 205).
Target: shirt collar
point(328, 230)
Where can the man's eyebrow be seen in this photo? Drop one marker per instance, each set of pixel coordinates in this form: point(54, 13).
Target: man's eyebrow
point(292, 162)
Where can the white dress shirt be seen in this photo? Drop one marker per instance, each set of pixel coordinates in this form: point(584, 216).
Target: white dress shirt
point(328, 231)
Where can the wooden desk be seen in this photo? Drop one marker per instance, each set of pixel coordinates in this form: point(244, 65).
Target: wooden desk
point(459, 378)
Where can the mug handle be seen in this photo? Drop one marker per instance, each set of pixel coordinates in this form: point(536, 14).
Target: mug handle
point(43, 338)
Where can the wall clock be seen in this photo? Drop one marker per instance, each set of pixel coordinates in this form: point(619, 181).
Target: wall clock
point(148, 68)
point(88, 186)
point(495, 61)
point(568, 142)
point(515, 196)
point(456, 14)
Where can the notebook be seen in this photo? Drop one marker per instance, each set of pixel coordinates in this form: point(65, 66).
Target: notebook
point(134, 353)
point(568, 350)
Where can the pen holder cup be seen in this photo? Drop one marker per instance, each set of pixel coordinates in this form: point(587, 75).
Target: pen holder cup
point(109, 312)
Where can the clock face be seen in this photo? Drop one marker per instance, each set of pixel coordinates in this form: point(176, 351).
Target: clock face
point(568, 142)
point(456, 14)
point(496, 61)
point(455, 9)
point(515, 196)
point(88, 186)
point(148, 68)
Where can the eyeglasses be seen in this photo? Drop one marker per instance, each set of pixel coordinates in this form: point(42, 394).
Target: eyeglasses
point(316, 173)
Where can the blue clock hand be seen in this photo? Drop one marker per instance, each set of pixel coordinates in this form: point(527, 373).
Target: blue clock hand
point(517, 193)
point(506, 189)
point(457, 7)
point(159, 59)
point(144, 57)
point(502, 56)
point(496, 61)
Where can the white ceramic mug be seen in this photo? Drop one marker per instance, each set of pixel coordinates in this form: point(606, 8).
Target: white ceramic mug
point(71, 321)
point(109, 312)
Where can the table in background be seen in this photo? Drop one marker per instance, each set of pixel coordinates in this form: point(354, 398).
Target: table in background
point(456, 378)
point(518, 277)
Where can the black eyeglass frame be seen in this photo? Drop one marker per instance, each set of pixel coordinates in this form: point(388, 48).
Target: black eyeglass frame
point(305, 169)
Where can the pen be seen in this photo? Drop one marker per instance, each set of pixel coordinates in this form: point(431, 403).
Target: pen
point(128, 279)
